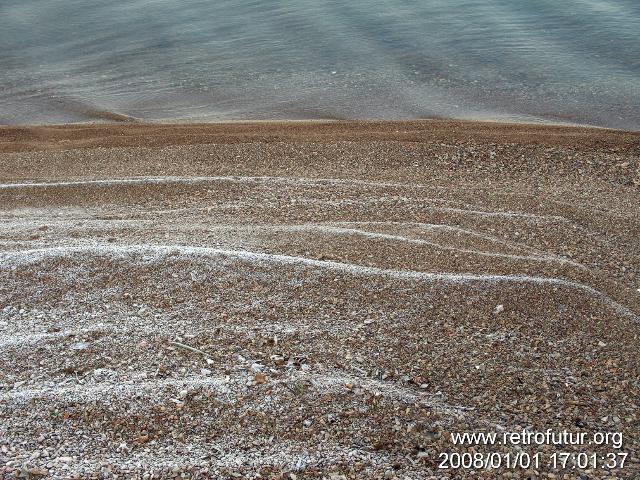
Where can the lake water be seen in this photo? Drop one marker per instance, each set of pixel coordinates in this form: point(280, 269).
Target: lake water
point(575, 61)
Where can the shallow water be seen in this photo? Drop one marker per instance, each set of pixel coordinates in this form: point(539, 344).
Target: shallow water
point(575, 61)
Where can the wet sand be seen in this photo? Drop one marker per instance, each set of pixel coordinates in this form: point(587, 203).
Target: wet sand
point(314, 299)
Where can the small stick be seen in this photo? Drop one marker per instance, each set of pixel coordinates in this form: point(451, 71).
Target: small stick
point(187, 347)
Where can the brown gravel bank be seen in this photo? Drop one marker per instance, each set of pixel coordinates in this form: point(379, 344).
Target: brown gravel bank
point(315, 300)
point(63, 137)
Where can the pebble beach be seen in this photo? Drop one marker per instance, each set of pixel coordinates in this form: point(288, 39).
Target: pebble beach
point(324, 300)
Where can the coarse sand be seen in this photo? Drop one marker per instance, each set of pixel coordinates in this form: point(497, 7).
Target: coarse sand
point(315, 299)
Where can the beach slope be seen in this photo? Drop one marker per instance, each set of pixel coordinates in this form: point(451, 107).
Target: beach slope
point(314, 300)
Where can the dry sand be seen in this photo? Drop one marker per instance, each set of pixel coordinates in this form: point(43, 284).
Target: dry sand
point(314, 300)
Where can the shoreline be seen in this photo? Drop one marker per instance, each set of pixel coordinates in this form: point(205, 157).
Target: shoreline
point(92, 135)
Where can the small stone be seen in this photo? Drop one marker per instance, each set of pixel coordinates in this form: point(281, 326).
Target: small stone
point(498, 309)
point(260, 378)
point(257, 367)
point(278, 360)
point(39, 472)
point(79, 346)
point(205, 371)
point(602, 344)
point(198, 277)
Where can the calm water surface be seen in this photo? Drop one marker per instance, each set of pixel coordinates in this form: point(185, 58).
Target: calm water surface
point(531, 60)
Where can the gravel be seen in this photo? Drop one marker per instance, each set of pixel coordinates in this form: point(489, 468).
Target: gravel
point(316, 308)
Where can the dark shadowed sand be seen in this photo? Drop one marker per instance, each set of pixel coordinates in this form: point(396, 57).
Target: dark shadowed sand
point(314, 300)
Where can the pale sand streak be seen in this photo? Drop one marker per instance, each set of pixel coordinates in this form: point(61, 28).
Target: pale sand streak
point(258, 179)
point(426, 226)
point(223, 385)
point(453, 228)
point(26, 257)
point(335, 227)
point(538, 257)
point(399, 238)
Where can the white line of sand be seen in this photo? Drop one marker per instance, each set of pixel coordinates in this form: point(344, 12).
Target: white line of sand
point(262, 179)
point(26, 257)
